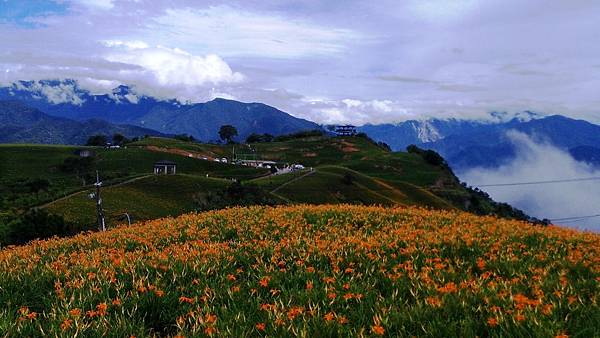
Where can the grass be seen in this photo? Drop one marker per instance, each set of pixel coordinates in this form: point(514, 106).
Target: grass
point(139, 160)
point(315, 151)
point(327, 185)
point(147, 198)
point(22, 162)
point(380, 177)
point(307, 271)
point(173, 195)
point(192, 147)
point(391, 182)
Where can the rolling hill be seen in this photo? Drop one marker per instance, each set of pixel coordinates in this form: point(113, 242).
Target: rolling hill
point(307, 271)
point(144, 198)
point(338, 170)
point(22, 164)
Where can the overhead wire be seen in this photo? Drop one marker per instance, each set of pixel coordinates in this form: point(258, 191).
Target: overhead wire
point(583, 179)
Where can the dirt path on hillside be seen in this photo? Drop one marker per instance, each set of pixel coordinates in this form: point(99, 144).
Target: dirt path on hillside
point(86, 189)
point(294, 180)
point(185, 153)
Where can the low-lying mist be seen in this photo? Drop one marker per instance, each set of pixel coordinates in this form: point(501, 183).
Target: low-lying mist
point(537, 160)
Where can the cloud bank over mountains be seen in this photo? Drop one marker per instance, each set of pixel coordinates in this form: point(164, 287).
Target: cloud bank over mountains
point(350, 61)
point(536, 161)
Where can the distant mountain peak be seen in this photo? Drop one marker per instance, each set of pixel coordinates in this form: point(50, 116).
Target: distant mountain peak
point(426, 131)
point(54, 91)
point(126, 94)
point(121, 90)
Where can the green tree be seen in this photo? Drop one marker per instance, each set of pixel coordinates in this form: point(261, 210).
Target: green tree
point(36, 185)
point(256, 138)
point(36, 223)
point(119, 139)
point(236, 194)
point(80, 166)
point(253, 138)
point(185, 137)
point(227, 133)
point(97, 141)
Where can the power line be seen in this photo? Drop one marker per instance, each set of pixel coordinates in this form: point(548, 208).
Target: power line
point(539, 182)
point(574, 218)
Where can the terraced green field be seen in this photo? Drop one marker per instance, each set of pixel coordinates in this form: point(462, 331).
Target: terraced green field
point(146, 198)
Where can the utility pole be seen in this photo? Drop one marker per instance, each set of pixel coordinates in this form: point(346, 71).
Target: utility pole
point(99, 211)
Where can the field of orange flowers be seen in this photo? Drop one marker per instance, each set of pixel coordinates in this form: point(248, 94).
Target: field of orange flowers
point(307, 271)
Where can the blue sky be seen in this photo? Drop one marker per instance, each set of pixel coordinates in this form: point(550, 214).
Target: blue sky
point(20, 11)
point(328, 61)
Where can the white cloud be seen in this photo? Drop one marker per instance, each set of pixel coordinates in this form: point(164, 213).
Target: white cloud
point(159, 71)
point(349, 110)
point(214, 93)
point(62, 93)
point(136, 44)
point(164, 71)
point(96, 4)
point(540, 161)
point(175, 66)
point(231, 31)
point(98, 86)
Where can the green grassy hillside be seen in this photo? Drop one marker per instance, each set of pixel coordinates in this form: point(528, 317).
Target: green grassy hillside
point(339, 170)
point(345, 170)
point(166, 144)
point(20, 164)
point(145, 198)
point(337, 184)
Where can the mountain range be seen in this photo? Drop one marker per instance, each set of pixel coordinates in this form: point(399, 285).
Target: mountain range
point(66, 99)
point(20, 123)
point(53, 111)
point(473, 143)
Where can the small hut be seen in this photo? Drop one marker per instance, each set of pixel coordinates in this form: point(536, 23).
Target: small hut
point(165, 168)
point(85, 153)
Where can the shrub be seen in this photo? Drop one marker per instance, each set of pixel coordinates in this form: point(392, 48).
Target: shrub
point(185, 138)
point(348, 179)
point(236, 194)
point(34, 224)
point(80, 166)
point(430, 156)
point(259, 138)
point(97, 141)
point(300, 134)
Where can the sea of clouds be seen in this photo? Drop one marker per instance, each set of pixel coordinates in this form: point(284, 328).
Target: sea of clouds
point(538, 160)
